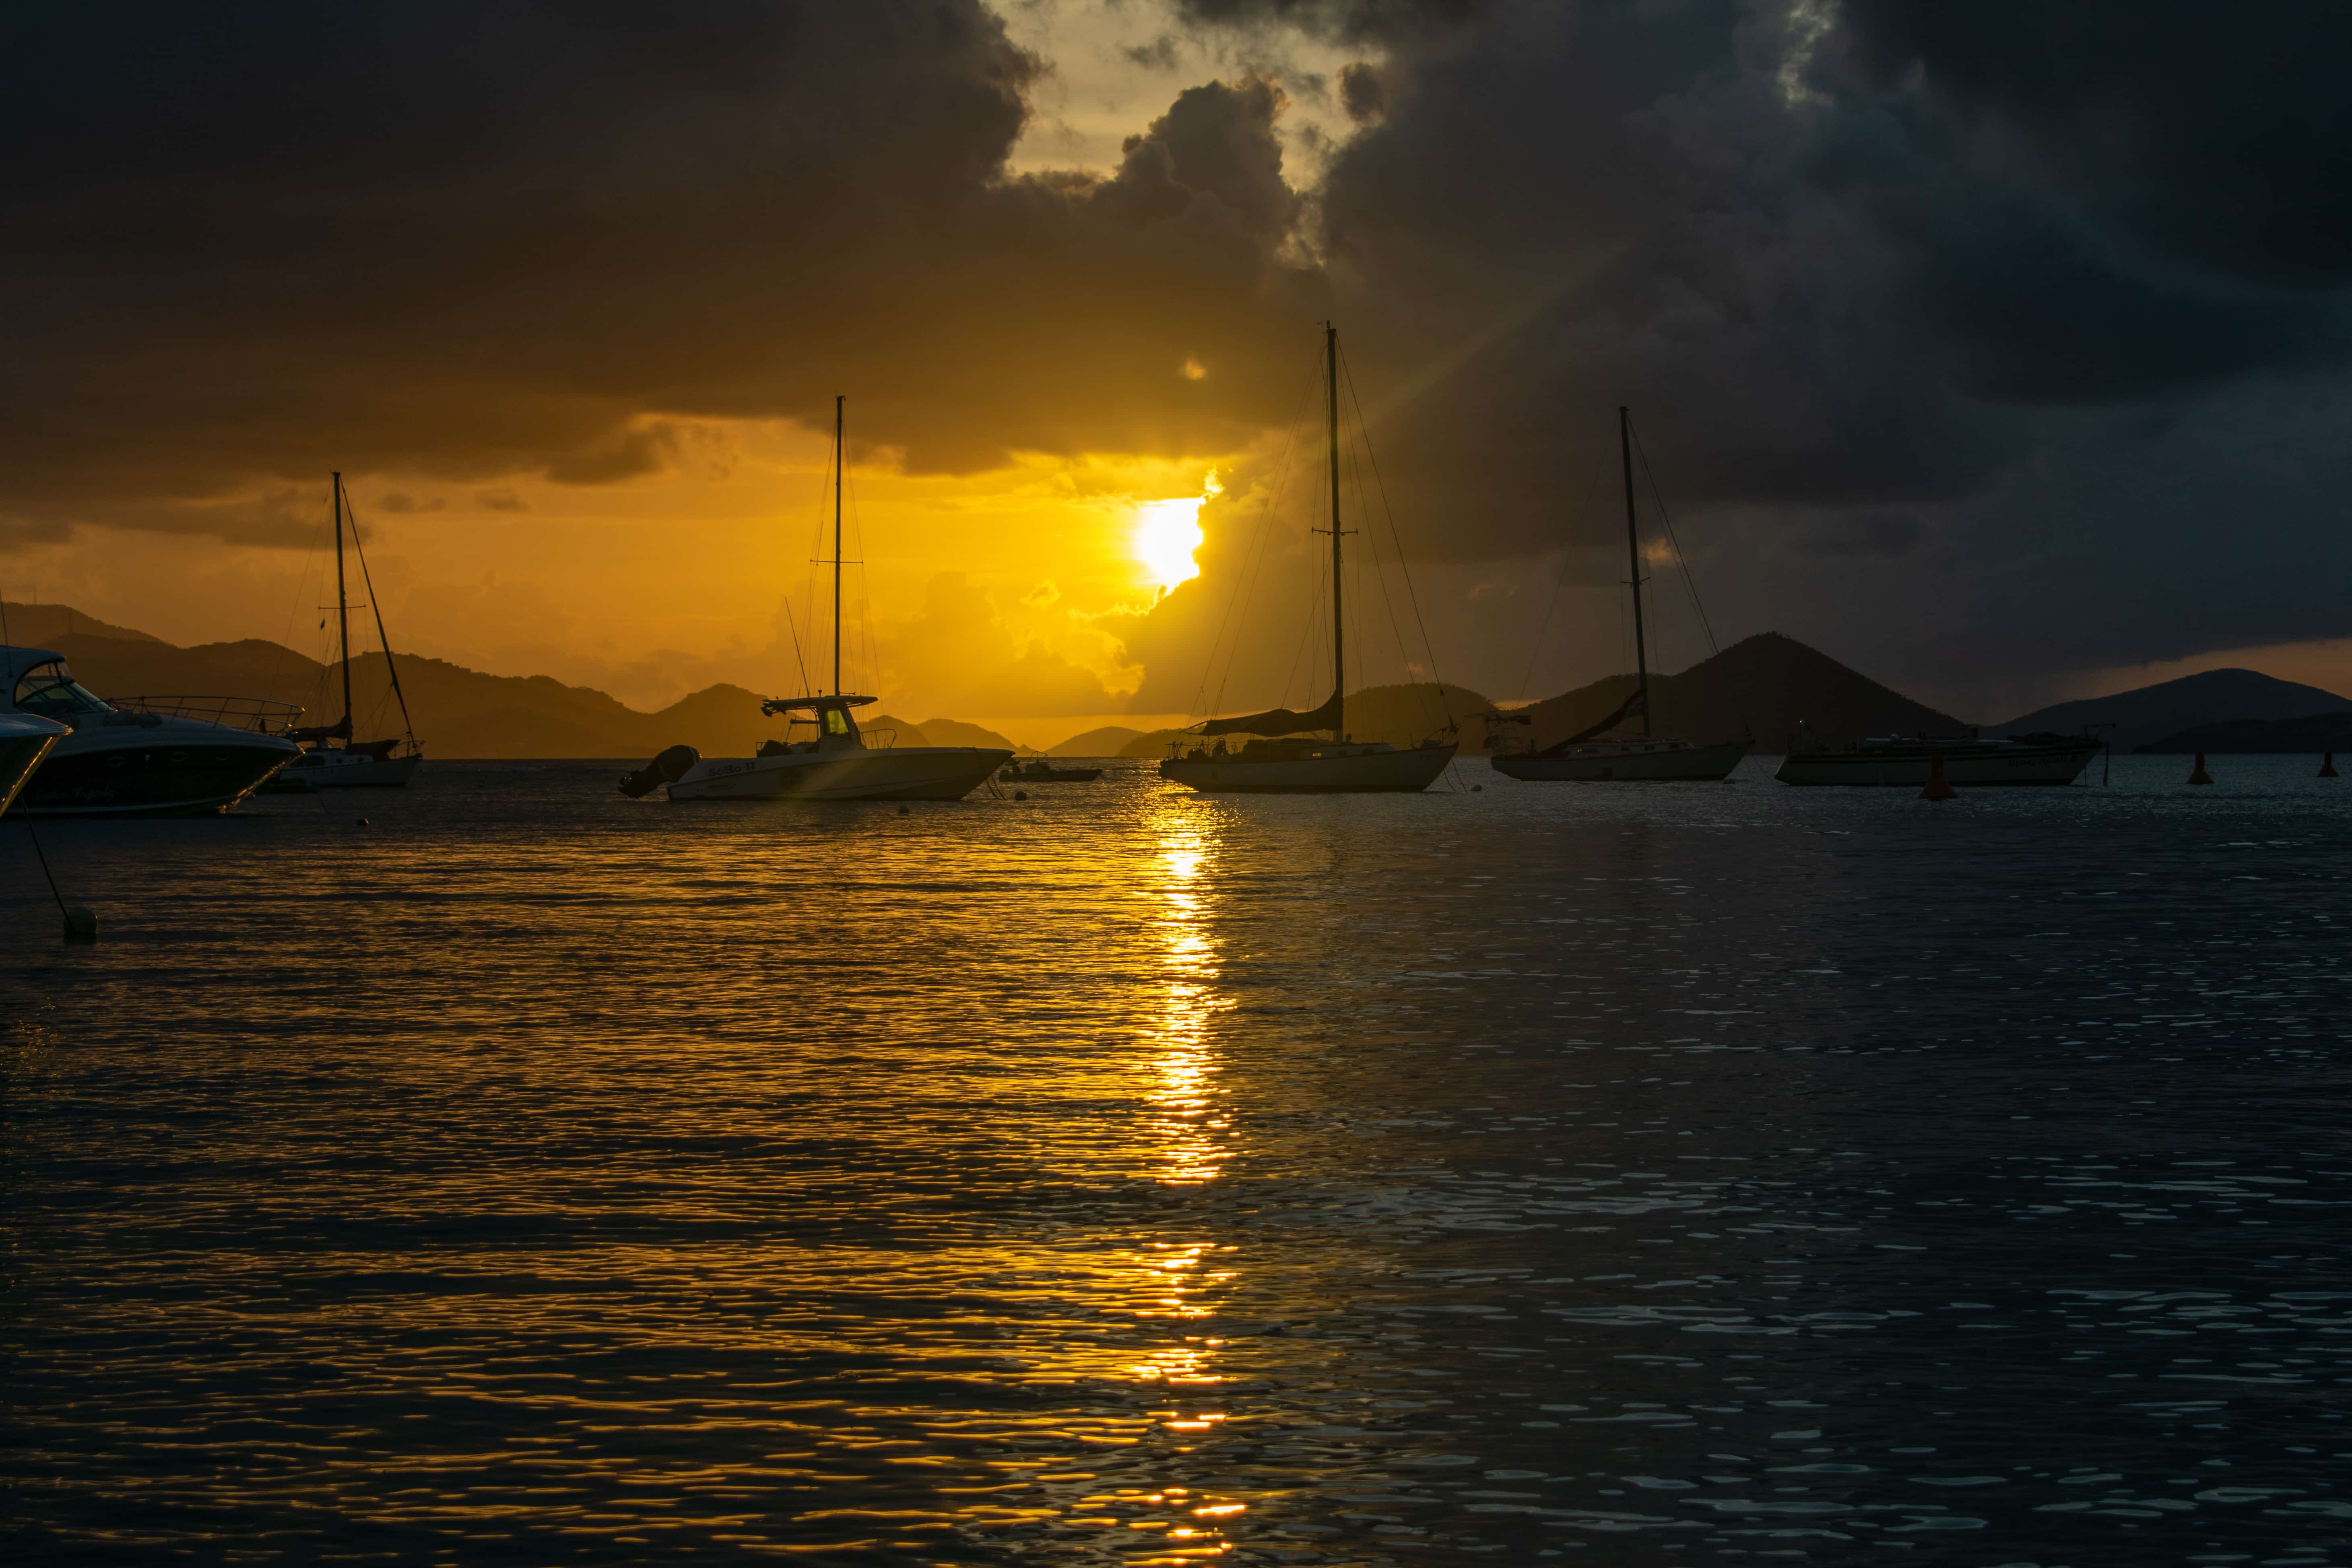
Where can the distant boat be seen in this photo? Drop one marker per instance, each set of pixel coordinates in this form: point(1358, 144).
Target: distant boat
point(1275, 763)
point(1042, 772)
point(835, 762)
point(138, 756)
point(1591, 755)
point(331, 759)
point(1903, 760)
point(24, 739)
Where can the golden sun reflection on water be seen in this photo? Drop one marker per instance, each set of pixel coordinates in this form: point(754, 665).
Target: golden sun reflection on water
point(1190, 1128)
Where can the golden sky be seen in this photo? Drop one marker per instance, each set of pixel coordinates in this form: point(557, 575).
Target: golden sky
point(575, 344)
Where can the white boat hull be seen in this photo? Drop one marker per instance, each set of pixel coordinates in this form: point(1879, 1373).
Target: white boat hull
point(335, 770)
point(1347, 773)
point(120, 764)
point(1629, 761)
point(1967, 764)
point(907, 772)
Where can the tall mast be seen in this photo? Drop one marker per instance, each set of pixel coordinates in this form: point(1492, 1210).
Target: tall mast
point(838, 400)
point(342, 609)
point(1339, 644)
point(1633, 552)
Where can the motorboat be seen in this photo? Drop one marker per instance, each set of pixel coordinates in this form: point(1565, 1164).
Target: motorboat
point(141, 756)
point(1593, 755)
point(24, 739)
point(1273, 762)
point(331, 758)
point(835, 762)
point(1903, 760)
point(1043, 771)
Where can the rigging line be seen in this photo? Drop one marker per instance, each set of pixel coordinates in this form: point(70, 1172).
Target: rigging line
point(375, 609)
point(1675, 544)
point(793, 627)
point(1252, 556)
point(1690, 585)
point(1436, 678)
point(1373, 547)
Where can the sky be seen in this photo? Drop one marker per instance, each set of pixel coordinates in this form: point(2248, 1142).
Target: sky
point(1999, 350)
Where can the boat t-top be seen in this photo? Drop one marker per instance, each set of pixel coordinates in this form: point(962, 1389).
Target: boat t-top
point(833, 761)
point(1276, 760)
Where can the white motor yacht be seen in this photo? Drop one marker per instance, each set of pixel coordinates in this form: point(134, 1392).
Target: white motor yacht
point(835, 763)
point(141, 757)
point(24, 739)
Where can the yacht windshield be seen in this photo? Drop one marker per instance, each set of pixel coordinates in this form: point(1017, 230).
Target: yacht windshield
point(51, 690)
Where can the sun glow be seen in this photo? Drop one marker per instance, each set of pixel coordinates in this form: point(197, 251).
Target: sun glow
point(1165, 534)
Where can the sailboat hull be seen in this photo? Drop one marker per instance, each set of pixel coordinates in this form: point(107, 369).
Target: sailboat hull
point(1629, 761)
point(905, 772)
point(337, 770)
point(1367, 771)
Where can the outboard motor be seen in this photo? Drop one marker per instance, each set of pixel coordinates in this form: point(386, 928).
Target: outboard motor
point(667, 767)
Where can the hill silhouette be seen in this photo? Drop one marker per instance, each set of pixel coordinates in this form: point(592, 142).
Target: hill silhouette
point(1761, 686)
point(2160, 713)
point(2312, 732)
point(460, 712)
point(1103, 743)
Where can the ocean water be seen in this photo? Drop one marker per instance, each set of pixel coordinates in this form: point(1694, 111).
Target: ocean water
point(1619, 1176)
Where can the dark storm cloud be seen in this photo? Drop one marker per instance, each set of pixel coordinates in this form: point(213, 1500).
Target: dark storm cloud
point(259, 241)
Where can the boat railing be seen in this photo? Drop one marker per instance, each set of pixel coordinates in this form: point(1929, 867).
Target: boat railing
point(882, 738)
point(258, 714)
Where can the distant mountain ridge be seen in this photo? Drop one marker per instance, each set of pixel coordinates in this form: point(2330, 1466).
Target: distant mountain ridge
point(1762, 686)
point(2312, 733)
point(2153, 713)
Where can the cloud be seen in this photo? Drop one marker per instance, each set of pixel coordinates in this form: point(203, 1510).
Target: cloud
point(466, 244)
point(502, 498)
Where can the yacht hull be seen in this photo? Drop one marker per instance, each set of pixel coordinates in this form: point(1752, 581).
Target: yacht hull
point(1623, 763)
point(1966, 765)
point(24, 741)
point(910, 773)
point(168, 769)
point(1365, 773)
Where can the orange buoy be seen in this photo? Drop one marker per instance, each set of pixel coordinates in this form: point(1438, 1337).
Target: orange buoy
point(1939, 786)
point(2327, 766)
point(2197, 775)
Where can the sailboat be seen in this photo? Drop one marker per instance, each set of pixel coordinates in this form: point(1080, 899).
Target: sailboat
point(833, 764)
point(1273, 762)
point(330, 758)
point(1592, 755)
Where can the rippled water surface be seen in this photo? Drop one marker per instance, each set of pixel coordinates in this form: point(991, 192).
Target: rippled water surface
point(1622, 1174)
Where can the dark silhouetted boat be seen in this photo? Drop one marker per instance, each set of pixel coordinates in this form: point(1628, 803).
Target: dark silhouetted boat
point(1593, 755)
point(1273, 762)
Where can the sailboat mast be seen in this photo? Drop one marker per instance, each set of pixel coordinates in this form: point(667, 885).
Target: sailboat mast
point(1633, 552)
point(838, 405)
point(1338, 643)
point(342, 609)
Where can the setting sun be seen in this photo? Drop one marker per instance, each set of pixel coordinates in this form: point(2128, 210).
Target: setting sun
point(1166, 534)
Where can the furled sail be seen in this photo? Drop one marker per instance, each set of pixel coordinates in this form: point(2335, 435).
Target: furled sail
point(1277, 722)
point(1634, 706)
